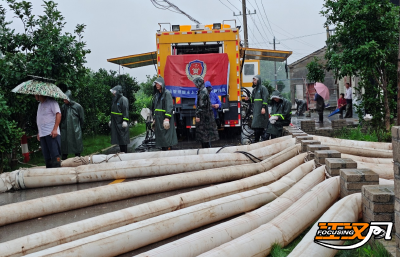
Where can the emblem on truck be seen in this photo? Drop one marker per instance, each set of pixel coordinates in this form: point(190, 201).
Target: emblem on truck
point(196, 69)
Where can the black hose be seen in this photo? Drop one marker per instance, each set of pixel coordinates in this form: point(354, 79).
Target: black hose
point(223, 148)
point(250, 156)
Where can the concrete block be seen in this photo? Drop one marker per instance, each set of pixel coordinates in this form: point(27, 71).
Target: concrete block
point(301, 138)
point(299, 134)
point(340, 163)
point(304, 144)
point(379, 193)
point(359, 175)
point(313, 148)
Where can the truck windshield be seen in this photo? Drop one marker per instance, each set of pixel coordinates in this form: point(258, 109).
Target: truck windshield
point(198, 49)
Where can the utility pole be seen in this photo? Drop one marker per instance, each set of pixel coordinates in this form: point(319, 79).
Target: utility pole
point(244, 13)
point(276, 75)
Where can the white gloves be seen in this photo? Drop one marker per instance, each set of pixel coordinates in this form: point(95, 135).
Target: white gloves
point(124, 124)
point(109, 123)
point(273, 119)
point(166, 124)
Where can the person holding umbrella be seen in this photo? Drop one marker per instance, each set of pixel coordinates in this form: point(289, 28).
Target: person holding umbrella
point(321, 95)
point(48, 120)
point(48, 116)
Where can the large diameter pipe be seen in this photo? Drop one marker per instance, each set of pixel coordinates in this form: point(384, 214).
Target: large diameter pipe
point(286, 227)
point(360, 151)
point(68, 201)
point(385, 182)
point(170, 224)
point(383, 170)
point(207, 239)
point(100, 158)
point(368, 159)
point(137, 168)
point(354, 143)
point(347, 209)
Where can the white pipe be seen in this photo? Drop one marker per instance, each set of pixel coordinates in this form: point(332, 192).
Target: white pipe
point(347, 209)
point(388, 182)
point(284, 228)
point(137, 168)
point(353, 143)
point(207, 239)
point(101, 158)
point(67, 233)
point(383, 170)
point(368, 159)
point(360, 151)
point(136, 235)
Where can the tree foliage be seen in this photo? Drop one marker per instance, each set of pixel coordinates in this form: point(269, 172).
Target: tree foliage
point(268, 85)
point(9, 137)
point(316, 71)
point(42, 49)
point(280, 86)
point(365, 44)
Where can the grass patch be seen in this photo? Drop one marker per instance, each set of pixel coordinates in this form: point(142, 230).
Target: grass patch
point(372, 249)
point(91, 144)
point(378, 135)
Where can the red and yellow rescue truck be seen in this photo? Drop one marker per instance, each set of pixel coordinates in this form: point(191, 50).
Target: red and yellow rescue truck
point(213, 52)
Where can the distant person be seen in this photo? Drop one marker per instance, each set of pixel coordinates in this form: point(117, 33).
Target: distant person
point(281, 114)
point(320, 107)
point(349, 101)
point(259, 98)
point(119, 119)
point(206, 128)
point(341, 103)
point(72, 120)
point(215, 102)
point(164, 124)
point(301, 107)
point(48, 120)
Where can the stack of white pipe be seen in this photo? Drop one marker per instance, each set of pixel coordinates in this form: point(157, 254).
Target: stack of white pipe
point(368, 159)
point(74, 231)
point(284, 228)
point(207, 239)
point(136, 235)
point(33, 178)
point(101, 158)
point(383, 170)
point(360, 148)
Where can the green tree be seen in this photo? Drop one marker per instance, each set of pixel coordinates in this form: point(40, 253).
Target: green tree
point(42, 49)
point(145, 95)
point(268, 85)
point(316, 72)
point(365, 44)
point(9, 137)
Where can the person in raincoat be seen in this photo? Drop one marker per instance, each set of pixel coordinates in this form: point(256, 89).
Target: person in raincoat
point(281, 114)
point(206, 128)
point(259, 98)
point(301, 106)
point(164, 124)
point(215, 102)
point(119, 119)
point(72, 120)
point(320, 107)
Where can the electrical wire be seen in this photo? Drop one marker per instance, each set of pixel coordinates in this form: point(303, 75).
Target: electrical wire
point(260, 20)
point(266, 16)
point(173, 6)
point(233, 5)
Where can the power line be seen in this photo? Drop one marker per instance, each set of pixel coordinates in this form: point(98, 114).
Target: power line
point(233, 5)
point(260, 19)
point(255, 24)
point(303, 36)
point(231, 10)
point(266, 16)
point(173, 6)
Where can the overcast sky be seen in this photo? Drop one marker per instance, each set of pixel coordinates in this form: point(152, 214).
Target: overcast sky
point(123, 27)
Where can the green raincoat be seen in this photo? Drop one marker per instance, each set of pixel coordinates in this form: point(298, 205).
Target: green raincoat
point(119, 114)
point(282, 109)
point(72, 120)
point(259, 98)
point(206, 129)
point(163, 109)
